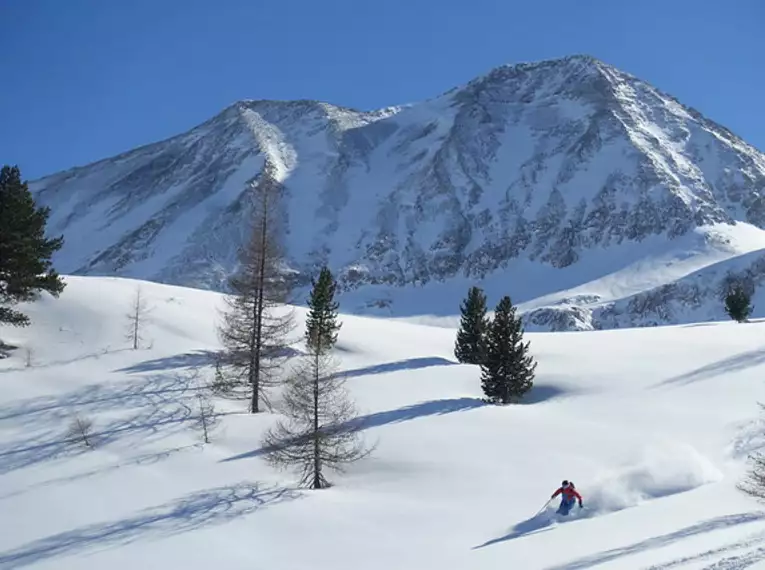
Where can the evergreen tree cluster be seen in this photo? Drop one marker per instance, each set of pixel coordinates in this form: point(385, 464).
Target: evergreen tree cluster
point(25, 253)
point(497, 346)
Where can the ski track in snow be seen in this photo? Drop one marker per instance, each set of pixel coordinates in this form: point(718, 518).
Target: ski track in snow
point(727, 562)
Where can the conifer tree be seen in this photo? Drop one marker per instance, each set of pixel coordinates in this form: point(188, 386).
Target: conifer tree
point(469, 347)
point(738, 304)
point(25, 253)
point(508, 370)
point(321, 323)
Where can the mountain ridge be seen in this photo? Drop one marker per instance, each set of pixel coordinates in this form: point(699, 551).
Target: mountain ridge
point(531, 64)
point(537, 161)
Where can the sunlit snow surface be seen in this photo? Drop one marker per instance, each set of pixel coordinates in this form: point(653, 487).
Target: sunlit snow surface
point(653, 426)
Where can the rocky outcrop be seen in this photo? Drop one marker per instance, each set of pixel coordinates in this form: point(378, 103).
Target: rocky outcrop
point(696, 298)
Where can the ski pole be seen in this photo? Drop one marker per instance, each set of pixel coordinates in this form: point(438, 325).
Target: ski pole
point(543, 507)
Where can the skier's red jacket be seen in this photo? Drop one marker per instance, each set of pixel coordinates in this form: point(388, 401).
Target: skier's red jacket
point(568, 492)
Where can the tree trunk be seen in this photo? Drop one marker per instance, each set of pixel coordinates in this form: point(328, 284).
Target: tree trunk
point(316, 459)
point(258, 329)
point(135, 319)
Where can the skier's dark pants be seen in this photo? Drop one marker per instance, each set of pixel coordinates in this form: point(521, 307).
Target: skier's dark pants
point(566, 505)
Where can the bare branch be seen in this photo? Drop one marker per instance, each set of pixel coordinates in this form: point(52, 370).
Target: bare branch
point(754, 482)
point(137, 319)
point(318, 430)
point(81, 430)
point(206, 418)
point(256, 322)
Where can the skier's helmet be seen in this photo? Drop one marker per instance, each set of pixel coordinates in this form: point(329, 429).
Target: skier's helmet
point(564, 483)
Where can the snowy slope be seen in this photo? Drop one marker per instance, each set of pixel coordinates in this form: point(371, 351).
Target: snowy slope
point(625, 299)
point(608, 282)
point(652, 424)
point(558, 172)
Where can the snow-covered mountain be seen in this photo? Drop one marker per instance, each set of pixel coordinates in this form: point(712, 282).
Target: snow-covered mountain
point(568, 184)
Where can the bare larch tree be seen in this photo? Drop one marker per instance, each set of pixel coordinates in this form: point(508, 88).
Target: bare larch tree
point(206, 416)
point(81, 431)
point(320, 428)
point(29, 356)
point(137, 317)
point(754, 482)
point(257, 322)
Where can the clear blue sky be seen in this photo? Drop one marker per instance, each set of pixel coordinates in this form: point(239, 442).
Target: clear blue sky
point(85, 79)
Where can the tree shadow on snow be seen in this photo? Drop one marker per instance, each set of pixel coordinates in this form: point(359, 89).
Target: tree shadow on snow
point(95, 398)
point(195, 511)
point(735, 363)
point(199, 358)
point(408, 364)
point(711, 525)
point(94, 355)
point(538, 393)
point(194, 359)
point(151, 408)
point(141, 459)
point(423, 409)
point(544, 392)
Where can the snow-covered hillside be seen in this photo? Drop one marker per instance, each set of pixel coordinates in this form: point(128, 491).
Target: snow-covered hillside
point(558, 173)
point(653, 425)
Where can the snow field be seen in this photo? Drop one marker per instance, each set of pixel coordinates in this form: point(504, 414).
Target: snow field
point(653, 426)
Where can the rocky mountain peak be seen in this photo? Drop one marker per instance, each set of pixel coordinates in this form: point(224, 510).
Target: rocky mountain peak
point(539, 165)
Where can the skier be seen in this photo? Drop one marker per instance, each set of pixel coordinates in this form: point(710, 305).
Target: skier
point(569, 495)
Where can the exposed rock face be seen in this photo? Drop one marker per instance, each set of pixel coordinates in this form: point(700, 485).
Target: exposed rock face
point(539, 161)
point(694, 298)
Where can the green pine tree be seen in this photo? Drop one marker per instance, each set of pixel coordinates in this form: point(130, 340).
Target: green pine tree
point(469, 347)
point(321, 323)
point(738, 304)
point(508, 370)
point(25, 253)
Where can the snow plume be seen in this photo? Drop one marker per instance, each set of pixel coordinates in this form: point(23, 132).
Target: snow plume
point(662, 470)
